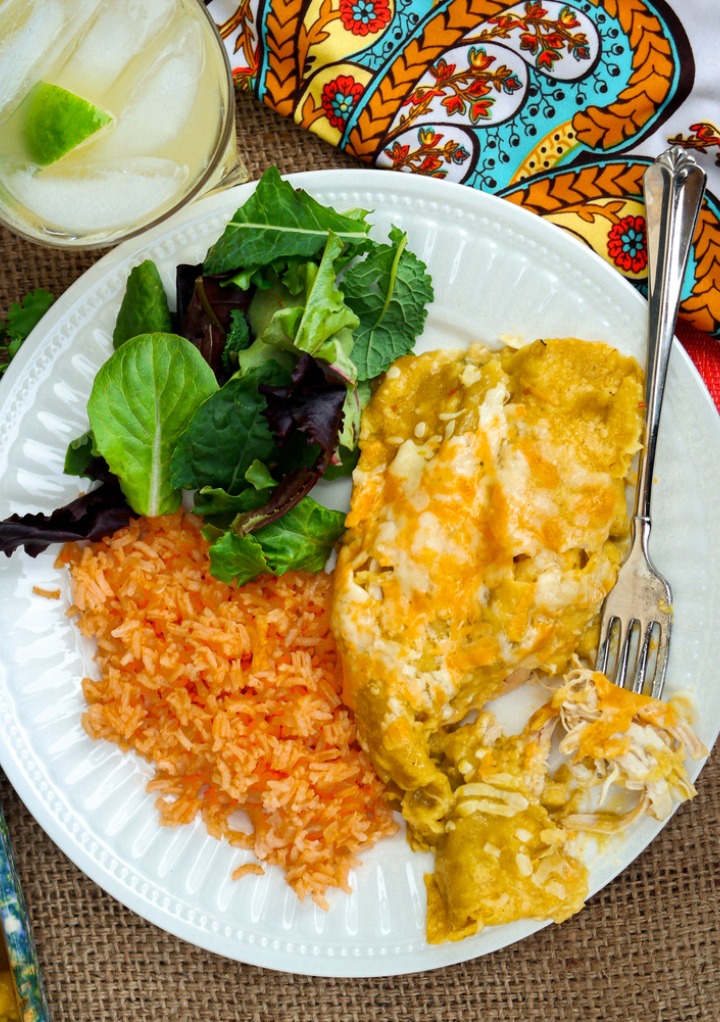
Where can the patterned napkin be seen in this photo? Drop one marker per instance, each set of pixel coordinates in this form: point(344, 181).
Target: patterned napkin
point(557, 107)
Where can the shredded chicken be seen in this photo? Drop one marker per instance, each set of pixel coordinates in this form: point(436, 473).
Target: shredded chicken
point(618, 741)
point(509, 847)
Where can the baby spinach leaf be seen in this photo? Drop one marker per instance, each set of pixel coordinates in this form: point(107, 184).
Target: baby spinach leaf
point(389, 290)
point(277, 222)
point(142, 400)
point(228, 432)
point(144, 308)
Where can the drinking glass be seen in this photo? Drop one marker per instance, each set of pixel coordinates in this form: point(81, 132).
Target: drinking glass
point(160, 70)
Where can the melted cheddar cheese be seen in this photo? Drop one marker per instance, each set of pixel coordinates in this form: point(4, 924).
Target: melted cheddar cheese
point(487, 522)
point(503, 855)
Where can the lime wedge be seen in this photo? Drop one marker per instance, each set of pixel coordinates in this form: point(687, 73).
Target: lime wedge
point(57, 121)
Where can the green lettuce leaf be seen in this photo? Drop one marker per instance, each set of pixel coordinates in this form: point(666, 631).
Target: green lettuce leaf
point(279, 222)
point(237, 559)
point(302, 540)
point(80, 455)
point(310, 317)
point(142, 400)
point(218, 507)
point(144, 308)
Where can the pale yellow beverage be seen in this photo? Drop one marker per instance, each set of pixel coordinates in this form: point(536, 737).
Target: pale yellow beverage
point(159, 70)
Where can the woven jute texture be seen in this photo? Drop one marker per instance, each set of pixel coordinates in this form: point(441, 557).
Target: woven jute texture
point(645, 949)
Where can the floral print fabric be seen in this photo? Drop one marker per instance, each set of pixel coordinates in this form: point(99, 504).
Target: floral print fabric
point(556, 106)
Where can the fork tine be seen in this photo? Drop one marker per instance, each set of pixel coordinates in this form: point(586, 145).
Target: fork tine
point(603, 654)
point(634, 652)
point(662, 659)
point(647, 632)
point(624, 640)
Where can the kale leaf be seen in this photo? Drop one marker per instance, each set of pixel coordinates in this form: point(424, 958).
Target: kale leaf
point(389, 290)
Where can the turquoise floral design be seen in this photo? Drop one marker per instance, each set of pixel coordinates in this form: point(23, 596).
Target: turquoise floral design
point(365, 17)
point(627, 244)
point(339, 99)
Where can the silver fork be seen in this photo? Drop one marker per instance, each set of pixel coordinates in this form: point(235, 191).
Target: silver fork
point(637, 612)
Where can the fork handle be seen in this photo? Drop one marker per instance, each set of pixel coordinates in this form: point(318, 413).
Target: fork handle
point(674, 186)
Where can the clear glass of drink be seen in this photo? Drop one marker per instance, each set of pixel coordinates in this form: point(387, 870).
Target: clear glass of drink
point(158, 73)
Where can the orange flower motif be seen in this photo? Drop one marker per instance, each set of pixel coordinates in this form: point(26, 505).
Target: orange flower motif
point(567, 18)
point(442, 71)
point(479, 58)
point(428, 136)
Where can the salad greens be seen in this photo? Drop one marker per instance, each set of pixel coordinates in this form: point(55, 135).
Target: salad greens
point(302, 539)
point(142, 400)
point(144, 308)
point(252, 389)
point(21, 318)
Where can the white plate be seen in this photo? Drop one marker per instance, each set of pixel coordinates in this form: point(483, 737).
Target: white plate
point(496, 270)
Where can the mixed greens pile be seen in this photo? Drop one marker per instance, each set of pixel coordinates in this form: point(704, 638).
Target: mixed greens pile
point(250, 391)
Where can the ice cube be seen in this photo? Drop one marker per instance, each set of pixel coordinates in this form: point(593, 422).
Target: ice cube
point(118, 34)
point(28, 32)
point(102, 198)
point(161, 102)
point(35, 41)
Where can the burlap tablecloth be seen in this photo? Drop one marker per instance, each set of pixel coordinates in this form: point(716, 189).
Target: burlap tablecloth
point(646, 949)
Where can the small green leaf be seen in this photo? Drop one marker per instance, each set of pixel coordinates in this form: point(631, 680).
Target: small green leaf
point(219, 508)
point(302, 539)
point(237, 559)
point(259, 477)
point(389, 291)
point(237, 340)
point(21, 318)
point(227, 434)
point(142, 400)
point(80, 452)
point(144, 308)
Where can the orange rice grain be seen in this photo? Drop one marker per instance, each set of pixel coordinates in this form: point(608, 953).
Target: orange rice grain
point(233, 694)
